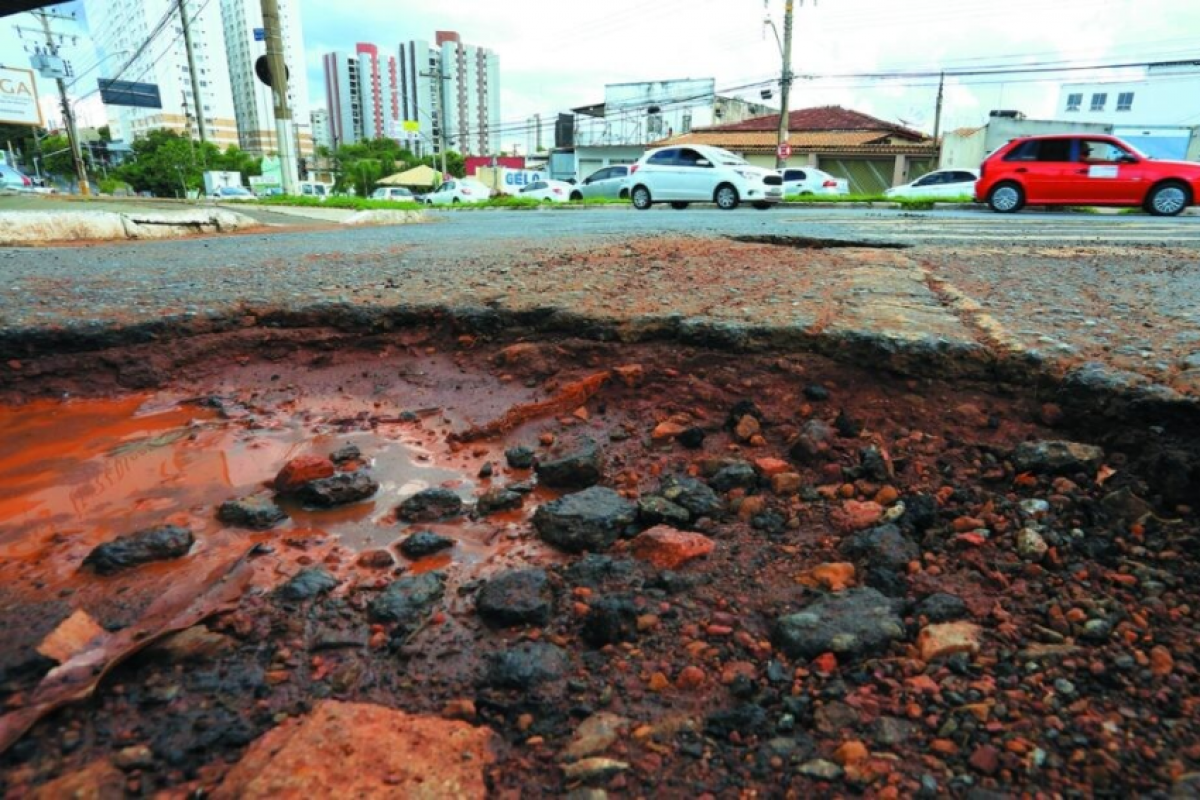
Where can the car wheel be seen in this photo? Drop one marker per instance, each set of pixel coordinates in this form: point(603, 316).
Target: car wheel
point(624, 195)
point(679, 205)
point(726, 197)
point(576, 196)
point(763, 205)
point(455, 200)
point(1168, 199)
point(641, 198)
point(1006, 198)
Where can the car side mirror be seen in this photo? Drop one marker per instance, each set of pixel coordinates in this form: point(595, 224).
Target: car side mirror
point(1127, 159)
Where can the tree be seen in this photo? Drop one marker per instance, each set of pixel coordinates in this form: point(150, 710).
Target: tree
point(361, 165)
point(164, 163)
point(455, 163)
point(57, 158)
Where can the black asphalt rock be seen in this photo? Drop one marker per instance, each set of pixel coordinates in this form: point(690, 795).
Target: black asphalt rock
point(589, 520)
point(519, 597)
point(430, 505)
point(881, 546)
point(425, 543)
point(257, 512)
point(152, 544)
point(337, 490)
point(407, 600)
point(578, 469)
point(498, 500)
point(692, 494)
point(851, 623)
point(308, 583)
point(526, 666)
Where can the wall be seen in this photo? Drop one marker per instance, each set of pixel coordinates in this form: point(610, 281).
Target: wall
point(1166, 96)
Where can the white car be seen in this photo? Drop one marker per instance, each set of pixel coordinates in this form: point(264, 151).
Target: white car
point(547, 191)
point(398, 193)
point(939, 183)
point(609, 182)
point(810, 180)
point(701, 174)
point(228, 193)
point(459, 190)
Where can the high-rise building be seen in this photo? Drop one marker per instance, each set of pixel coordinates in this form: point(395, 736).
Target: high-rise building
point(253, 100)
point(343, 98)
point(320, 128)
point(142, 41)
point(362, 94)
point(460, 80)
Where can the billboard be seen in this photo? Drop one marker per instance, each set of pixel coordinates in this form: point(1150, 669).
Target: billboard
point(127, 93)
point(18, 97)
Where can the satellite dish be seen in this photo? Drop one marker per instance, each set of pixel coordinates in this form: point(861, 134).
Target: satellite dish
point(262, 68)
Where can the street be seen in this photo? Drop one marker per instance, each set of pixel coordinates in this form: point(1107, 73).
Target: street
point(1069, 288)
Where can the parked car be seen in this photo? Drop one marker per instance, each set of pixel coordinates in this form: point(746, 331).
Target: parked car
point(701, 174)
point(811, 181)
point(316, 189)
point(459, 190)
point(547, 191)
point(1091, 170)
point(612, 182)
point(398, 193)
point(231, 193)
point(13, 178)
point(939, 183)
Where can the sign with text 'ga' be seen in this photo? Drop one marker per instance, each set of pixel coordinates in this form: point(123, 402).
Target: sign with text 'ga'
point(18, 97)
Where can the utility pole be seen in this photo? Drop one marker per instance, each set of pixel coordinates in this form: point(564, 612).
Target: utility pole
point(81, 175)
point(285, 131)
point(785, 86)
point(187, 42)
point(937, 115)
point(436, 73)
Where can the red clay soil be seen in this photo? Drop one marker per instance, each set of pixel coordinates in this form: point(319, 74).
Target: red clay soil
point(1066, 665)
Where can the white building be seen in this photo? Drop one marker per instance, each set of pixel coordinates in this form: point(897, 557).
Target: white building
point(469, 78)
point(320, 128)
point(252, 99)
point(1154, 112)
point(343, 99)
point(120, 27)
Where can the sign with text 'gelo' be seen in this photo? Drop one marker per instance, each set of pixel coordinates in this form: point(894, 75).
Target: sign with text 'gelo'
point(522, 177)
point(18, 97)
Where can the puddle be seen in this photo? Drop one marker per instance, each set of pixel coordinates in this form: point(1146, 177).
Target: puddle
point(810, 243)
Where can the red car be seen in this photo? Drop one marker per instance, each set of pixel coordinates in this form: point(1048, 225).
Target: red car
point(1089, 170)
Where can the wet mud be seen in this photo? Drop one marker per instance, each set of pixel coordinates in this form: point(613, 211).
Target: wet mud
point(1038, 602)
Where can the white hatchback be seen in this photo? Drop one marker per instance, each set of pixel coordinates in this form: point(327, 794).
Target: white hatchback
point(810, 181)
point(547, 191)
point(939, 183)
point(701, 174)
point(459, 190)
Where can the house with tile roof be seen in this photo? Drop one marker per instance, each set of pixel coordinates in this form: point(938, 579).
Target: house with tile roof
point(873, 154)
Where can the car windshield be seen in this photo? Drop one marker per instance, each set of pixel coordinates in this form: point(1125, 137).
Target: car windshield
point(726, 158)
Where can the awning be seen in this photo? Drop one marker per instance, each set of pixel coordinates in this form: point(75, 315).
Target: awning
point(417, 176)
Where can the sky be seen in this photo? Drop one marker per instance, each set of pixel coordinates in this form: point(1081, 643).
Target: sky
point(555, 55)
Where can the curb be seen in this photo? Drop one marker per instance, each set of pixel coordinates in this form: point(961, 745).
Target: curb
point(28, 228)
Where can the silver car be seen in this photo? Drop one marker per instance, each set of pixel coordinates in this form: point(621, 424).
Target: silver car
point(610, 182)
point(11, 178)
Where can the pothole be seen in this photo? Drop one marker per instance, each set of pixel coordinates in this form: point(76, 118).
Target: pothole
point(953, 542)
point(811, 243)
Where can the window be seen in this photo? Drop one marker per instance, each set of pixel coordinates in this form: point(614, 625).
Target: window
point(663, 157)
point(689, 158)
point(794, 175)
point(1041, 150)
point(1074, 101)
point(1125, 101)
point(1099, 99)
point(964, 177)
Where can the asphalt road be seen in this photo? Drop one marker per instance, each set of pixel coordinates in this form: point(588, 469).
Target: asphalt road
point(1123, 290)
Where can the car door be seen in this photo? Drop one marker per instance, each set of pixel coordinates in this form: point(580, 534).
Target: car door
point(1105, 172)
point(1046, 169)
point(614, 183)
point(962, 184)
point(695, 175)
point(796, 182)
point(593, 185)
point(658, 174)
